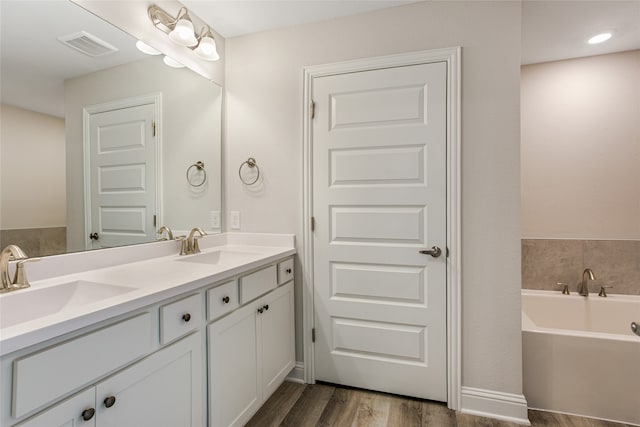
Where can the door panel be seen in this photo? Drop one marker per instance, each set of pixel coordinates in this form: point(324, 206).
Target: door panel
point(122, 176)
point(379, 197)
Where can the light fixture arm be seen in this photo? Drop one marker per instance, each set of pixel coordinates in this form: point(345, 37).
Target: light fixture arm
point(163, 21)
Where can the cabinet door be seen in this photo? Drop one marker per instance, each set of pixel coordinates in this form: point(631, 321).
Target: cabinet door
point(278, 339)
point(67, 413)
point(234, 388)
point(163, 390)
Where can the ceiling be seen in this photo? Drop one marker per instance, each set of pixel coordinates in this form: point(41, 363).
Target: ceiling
point(232, 18)
point(551, 30)
point(35, 64)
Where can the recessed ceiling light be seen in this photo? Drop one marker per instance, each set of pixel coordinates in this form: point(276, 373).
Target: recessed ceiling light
point(599, 38)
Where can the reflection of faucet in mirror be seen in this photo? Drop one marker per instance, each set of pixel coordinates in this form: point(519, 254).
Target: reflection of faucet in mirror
point(162, 230)
point(20, 278)
point(584, 287)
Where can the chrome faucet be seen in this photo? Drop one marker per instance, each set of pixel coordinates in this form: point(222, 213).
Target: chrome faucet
point(20, 278)
point(584, 287)
point(162, 230)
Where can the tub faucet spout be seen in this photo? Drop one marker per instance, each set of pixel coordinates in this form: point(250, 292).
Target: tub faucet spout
point(584, 287)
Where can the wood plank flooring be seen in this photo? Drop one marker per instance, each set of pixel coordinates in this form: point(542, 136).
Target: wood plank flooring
point(299, 405)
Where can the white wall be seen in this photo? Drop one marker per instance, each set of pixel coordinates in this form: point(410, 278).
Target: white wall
point(32, 193)
point(264, 120)
point(191, 131)
point(581, 148)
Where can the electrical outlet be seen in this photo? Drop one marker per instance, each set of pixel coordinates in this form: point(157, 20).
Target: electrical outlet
point(215, 219)
point(235, 220)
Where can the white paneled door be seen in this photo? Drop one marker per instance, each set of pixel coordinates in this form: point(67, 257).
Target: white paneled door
point(379, 198)
point(122, 176)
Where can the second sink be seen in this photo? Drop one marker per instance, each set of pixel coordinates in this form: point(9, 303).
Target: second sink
point(220, 257)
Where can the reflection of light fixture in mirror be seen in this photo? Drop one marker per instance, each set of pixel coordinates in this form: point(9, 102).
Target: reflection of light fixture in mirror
point(599, 38)
point(172, 62)
point(181, 31)
point(145, 48)
point(207, 47)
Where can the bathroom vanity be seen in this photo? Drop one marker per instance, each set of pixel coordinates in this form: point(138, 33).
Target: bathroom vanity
point(168, 340)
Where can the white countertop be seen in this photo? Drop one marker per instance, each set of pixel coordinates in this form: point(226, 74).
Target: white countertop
point(153, 279)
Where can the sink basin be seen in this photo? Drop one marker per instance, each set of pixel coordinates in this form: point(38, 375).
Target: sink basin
point(220, 257)
point(33, 303)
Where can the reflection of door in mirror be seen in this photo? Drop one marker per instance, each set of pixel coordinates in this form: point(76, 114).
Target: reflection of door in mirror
point(121, 174)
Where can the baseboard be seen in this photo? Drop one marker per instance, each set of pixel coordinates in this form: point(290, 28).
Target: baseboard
point(494, 404)
point(297, 373)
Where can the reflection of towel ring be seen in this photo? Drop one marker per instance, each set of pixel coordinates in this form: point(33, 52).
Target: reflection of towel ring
point(200, 166)
point(251, 162)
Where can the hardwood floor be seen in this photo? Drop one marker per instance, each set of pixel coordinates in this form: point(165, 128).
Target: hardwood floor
point(299, 405)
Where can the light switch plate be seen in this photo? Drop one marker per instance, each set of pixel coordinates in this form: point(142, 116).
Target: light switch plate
point(235, 220)
point(215, 219)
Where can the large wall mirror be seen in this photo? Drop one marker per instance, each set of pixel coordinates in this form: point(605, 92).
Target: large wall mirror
point(99, 146)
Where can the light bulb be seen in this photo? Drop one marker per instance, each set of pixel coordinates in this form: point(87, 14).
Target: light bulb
point(183, 33)
point(172, 62)
point(207, 49)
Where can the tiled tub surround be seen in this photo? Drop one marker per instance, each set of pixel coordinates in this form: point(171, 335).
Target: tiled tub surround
point(548, 261)
point(36, 242)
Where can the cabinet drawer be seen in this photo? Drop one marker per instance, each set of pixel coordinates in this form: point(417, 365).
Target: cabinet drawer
point(45, 376)
point(285, 271)
point(180, 318)
point(258, 283)
point(222, 299)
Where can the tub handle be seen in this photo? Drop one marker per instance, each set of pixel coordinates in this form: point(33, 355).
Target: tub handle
point(565, 288)
point(635, 328)
point(603, 291)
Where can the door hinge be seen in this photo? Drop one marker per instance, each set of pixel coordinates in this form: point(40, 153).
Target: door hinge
point(313, 109)
point(153, 128)
point(154, 221)
point(313, 223)
point(313, 335)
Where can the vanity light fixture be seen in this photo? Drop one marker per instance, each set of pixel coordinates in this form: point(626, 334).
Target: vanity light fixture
point(599, 38)
point(181, 31)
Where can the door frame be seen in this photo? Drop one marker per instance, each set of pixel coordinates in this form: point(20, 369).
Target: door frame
point(452, 56)
point(136, 101)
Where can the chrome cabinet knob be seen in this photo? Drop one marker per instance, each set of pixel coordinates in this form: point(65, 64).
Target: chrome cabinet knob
point(434, 252)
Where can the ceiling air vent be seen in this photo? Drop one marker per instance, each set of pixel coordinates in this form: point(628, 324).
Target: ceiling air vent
point(87, 44)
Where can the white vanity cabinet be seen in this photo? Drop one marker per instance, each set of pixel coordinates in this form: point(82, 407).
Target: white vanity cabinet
point(164, 389)
point(148, 367)
point(251, 351)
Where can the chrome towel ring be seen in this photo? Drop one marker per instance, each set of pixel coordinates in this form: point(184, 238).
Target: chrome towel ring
point(251, 163)
point(200, 167)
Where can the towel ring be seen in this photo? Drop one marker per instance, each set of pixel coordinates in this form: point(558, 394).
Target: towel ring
point(251, 163)
point(200, 166)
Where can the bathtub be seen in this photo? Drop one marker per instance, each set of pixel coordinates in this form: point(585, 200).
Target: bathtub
point(580, 356)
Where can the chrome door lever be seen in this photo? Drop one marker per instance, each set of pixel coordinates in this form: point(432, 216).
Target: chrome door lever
point(434, 252)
